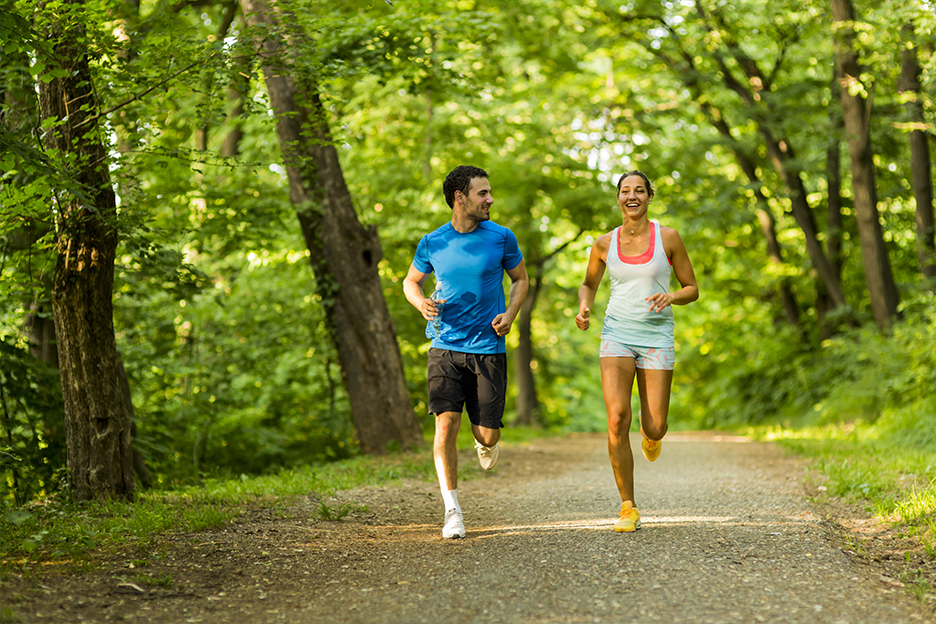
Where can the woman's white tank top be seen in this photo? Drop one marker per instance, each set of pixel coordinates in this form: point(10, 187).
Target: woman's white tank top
point(628, 318)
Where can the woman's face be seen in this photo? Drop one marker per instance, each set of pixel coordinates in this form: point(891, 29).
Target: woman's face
point(634, 197)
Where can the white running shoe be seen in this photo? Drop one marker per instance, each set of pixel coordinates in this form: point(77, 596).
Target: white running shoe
point(454, 527)
point(487, 455)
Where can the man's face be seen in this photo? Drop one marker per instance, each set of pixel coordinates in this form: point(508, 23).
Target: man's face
point(477, 203)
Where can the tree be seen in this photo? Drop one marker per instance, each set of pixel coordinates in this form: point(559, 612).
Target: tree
point(854, 94)
point(97, 422)
point(920, 165)
point(699, 67)
point(344, 255)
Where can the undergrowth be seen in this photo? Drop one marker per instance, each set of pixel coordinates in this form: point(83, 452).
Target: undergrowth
point(56, 529)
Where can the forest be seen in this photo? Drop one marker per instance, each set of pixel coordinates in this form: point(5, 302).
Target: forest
point(207, 208)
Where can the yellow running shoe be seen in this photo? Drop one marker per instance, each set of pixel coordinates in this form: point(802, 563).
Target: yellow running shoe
point(651, 448)
point(630, 518)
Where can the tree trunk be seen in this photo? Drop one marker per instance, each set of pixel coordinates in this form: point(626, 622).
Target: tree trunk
point(920, 165)
point(782, 156)
point(764, 216)
point(835, 227)
point(230, 147)
point(528, 406)
point(834, 218)
point(769, 228)
point(203, 131)
point(857, 113)
point(97, 424)
point(40, 332)
point(344, 255)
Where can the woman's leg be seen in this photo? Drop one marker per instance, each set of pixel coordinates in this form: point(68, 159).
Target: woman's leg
point(617, 383)
point(654, 388)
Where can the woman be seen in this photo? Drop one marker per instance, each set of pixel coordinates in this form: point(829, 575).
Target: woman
point(637, 339)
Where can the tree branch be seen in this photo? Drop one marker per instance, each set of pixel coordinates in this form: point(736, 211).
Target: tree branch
point(140, 95)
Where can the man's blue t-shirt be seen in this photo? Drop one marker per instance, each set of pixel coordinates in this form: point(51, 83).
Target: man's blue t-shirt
point(469, 271)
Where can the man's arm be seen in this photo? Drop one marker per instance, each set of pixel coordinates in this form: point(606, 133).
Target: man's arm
point(519, 285)
point(413, 289)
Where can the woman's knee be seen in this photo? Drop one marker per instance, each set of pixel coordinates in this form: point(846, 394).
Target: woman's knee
point(654, 430)
point(619, 424)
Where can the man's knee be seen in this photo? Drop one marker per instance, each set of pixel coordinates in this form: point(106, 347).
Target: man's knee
point(447, 424)
point(487, 437)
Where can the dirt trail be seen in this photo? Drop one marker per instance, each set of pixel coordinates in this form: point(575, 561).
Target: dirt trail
point(727, 536)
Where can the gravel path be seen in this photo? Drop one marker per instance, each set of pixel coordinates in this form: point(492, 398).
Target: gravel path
point(727, 537)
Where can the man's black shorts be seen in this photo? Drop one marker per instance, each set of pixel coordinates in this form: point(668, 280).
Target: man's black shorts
point(477, 382)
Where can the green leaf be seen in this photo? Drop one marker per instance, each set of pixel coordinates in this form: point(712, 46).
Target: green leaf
point(18, 517)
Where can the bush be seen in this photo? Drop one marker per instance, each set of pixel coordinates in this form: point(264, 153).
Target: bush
point(32, 417)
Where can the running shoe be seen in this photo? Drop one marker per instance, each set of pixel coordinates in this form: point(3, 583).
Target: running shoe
point(630, 518)
point(454, 527)
point(651, 448)
point(487, 455)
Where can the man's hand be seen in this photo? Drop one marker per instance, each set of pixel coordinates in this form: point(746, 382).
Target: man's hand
point(502, 324)
point(428, 308)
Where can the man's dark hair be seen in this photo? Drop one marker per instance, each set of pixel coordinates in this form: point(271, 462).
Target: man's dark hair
point(636, 173)
point(459, 179)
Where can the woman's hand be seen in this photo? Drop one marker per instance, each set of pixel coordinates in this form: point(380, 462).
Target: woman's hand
point(659, 301)
point(581, 319)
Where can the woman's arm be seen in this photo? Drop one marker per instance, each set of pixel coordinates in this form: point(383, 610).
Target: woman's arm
point(682, 267)
point(593, 274)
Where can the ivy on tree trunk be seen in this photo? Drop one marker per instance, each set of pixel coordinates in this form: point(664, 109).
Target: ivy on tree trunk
point(344, 254)
point(97, 423)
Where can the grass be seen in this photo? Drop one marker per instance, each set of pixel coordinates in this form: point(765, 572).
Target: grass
point(876, 465)
point(335, 514)
point(56, 530)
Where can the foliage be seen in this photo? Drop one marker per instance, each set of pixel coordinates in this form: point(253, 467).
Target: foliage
point(858, 375)
point(32, 448)
point(200, 408)
point(216, 317)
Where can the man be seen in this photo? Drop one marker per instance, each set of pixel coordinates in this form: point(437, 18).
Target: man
point(468, 360)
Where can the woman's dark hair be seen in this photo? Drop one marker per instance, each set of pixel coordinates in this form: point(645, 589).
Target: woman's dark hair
point(459, 179)
point(636, 173)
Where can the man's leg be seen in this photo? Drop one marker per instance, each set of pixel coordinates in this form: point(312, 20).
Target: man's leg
point(445, 454)
point(444, 450)
point(485, 435)
point(485, 405)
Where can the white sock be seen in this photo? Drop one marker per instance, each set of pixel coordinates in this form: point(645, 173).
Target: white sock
point(450, 498)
